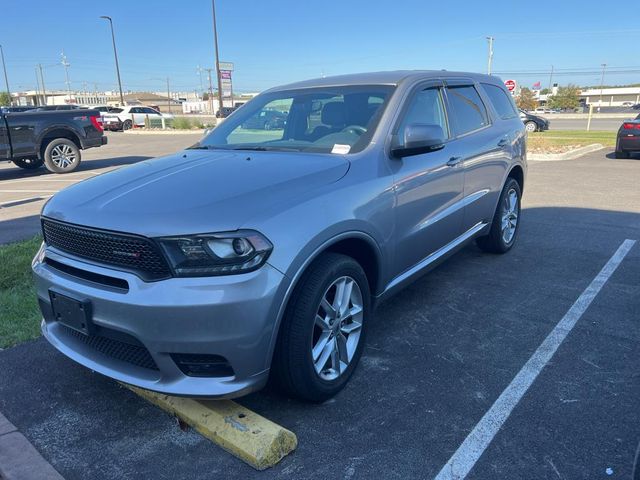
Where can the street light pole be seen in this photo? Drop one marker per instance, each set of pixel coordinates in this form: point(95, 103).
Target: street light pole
point(115, 54)
point(604, 65)
point(168, 96)
point(6, 79)
point(44, 90)
point(490, 39)
point(215, 42)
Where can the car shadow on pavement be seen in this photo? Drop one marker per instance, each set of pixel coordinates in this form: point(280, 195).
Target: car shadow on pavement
point(17, 229)
point(634, 156)
point(17, 173)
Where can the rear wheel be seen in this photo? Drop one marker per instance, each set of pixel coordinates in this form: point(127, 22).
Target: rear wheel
point(29, 163)
point(622, 154)
point(506, 221)
point(61, 156)
point(322, 333)
point(530, 126)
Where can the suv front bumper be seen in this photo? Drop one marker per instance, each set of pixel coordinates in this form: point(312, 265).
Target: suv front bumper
point(230, 316)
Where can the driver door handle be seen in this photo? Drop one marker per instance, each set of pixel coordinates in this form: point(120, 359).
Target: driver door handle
point(503, 142)
point(453, 161)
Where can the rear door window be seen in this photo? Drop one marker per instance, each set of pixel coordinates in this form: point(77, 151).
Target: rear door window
point(501, 101)
point(467, 109)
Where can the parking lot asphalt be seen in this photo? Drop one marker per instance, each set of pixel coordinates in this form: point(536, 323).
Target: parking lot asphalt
point(438, 356)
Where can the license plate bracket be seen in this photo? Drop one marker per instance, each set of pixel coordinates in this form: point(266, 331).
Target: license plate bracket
point(71, 312)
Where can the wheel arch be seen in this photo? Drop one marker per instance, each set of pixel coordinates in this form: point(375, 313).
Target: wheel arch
point(517, 173)
point(58, 132)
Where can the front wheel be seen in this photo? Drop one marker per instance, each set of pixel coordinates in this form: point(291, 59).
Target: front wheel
point(506, 221)
point(322, 333)
point(127, 125)
point(28, 163)
point(61, 156)
point(530, 127)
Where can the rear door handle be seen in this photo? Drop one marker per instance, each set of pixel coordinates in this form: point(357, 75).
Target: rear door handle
point(503, 142)
point(453, 161)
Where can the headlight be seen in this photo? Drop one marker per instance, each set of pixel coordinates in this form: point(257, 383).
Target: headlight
point(217, 254)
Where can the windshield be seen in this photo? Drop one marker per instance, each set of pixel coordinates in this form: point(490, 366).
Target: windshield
point(326, 120)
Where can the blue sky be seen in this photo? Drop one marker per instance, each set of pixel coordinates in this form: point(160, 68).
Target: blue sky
point(279, 41)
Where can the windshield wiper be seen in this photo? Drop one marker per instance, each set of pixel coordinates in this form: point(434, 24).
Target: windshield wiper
point(267, 149)
point(197, 146)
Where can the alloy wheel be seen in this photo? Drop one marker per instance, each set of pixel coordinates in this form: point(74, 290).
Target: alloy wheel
point(62, 156)
point(337, 328)
point(510, 212)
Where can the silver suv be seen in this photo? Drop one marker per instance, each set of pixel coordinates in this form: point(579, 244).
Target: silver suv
point(261, 252)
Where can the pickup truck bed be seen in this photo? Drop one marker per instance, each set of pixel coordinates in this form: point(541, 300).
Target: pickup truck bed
point(31, 139)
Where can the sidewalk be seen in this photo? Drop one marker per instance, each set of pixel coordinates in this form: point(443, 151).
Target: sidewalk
point(19, 459)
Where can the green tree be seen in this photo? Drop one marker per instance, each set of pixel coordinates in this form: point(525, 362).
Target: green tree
point(526, 100)
point(5, 99)
point(567, 98)
point(545, 91)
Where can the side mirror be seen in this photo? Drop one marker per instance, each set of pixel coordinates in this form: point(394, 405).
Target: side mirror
point(419, 138)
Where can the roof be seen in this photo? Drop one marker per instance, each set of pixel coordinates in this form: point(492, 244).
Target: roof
point(383, 78)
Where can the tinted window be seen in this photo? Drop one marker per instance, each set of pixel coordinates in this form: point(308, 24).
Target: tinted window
point(426, 108)
point(467, 109)
point(500, 101)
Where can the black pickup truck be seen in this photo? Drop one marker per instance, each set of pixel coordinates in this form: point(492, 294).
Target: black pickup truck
point(31, 139)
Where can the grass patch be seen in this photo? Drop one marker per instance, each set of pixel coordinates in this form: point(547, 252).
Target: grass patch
point(553, 139)
point(19, 313)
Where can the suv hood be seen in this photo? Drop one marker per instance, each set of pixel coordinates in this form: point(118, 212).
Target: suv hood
point(194, 191)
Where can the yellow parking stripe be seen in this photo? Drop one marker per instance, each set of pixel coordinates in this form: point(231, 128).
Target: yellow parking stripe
point(243, 433)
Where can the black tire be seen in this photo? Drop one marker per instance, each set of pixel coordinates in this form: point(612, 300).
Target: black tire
point(266, 126)
point(293, 367)
point(29, 163)
point(127, 125)
point(61, 155)
point(531, 127)
point(494, 242)
point(622, 154)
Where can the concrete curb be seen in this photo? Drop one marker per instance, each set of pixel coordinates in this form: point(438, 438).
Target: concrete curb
point(570, 155)
point(241, 432)
point(19, 459)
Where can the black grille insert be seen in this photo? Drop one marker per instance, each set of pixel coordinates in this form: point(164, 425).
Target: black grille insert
point(130, 252)
point(125, 352)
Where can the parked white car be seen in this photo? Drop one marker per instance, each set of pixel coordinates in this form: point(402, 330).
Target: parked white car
point(127, 117)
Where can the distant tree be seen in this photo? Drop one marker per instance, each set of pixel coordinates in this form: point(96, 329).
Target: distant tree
point(5, 99)
point(526, 100)
point(205, 96)
point(567, 98)
point(545, 91)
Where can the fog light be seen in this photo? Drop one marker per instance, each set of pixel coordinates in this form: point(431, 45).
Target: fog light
point(202, 365)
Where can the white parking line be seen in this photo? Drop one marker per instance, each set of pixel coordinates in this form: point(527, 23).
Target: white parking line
point(466, 456)
point(18, 200)
point(2, 190)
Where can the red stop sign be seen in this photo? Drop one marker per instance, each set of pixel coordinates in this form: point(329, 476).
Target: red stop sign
point(510, 84)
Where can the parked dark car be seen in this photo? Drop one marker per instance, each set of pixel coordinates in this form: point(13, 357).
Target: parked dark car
point(628, 139)
point(18, 109)
point(55, 108)
point(266, 120)
point(246, 257)
point(31, 139)
point(224, 112)
point(636, 106)
point(533, 123)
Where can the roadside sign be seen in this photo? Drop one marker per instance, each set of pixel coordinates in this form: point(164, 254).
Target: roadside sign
point(225, 66)
point(510, 84)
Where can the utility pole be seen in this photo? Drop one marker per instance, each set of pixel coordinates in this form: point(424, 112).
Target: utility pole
point(44, 89)
point(66, 66)
point(490, 39)
point(115, 54)
point(215, 41)
point(6, 79)
point(208, 70)
point(550, 80)
point(168, 95)
point(604, 65)
point(37, 89)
